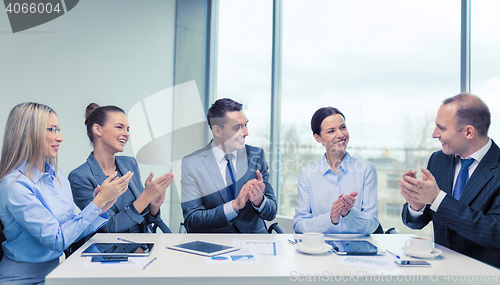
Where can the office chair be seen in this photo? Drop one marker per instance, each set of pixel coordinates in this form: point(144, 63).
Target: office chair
point(2, 239)
point(182, 229)
point(392, 231)
point(274, 227)
point(163, 227)
point(380, 230)
point(277, 228)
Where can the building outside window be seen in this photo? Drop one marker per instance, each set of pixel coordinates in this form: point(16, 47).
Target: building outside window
point(387, 65)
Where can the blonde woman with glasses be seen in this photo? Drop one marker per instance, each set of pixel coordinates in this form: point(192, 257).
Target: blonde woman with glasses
point(36, 203)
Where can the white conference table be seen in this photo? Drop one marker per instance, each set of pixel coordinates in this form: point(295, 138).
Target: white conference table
point(175, 267)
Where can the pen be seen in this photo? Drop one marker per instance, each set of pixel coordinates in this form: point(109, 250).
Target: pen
point(397, 256)
point(149, 263)
point(126, 240)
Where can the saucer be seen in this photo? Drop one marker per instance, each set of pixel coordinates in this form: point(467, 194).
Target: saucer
point(309, 250)
point(435, 252)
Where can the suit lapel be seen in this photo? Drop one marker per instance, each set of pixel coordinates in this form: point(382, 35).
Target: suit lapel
point(99, 175)
point(481, 175)
point(449, 174)
point(444, 172)
point(96, 169)
point(213, 171)
point(241, 169)
point(133, 184)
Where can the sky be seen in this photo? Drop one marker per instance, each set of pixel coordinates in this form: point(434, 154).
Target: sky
point(387, 65)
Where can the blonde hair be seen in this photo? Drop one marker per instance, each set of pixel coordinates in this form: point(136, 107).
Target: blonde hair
point(24, 138)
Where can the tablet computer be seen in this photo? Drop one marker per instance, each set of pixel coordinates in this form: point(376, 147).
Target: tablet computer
point(353, 247)
point(203, 248)
point(121, 249)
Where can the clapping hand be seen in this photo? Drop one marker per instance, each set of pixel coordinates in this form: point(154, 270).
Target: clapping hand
point(157, 188)
point(419, 193)
point(335, 212)
point(347, 202)
point(342, 206)
point(256, 191)
point(252, 190)
point(105, 195)
point(240, 201)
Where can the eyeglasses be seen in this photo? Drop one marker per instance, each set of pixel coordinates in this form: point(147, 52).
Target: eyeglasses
point(54, 130)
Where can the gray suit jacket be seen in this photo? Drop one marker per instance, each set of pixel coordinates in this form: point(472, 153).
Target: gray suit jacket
point(123, 217)
point(470, 226)
point(204, 193)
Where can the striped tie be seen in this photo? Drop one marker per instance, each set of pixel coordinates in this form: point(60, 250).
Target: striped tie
point(463, 177)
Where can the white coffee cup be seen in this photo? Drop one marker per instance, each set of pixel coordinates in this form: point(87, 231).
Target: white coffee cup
point(313, 240)
point(420, 244)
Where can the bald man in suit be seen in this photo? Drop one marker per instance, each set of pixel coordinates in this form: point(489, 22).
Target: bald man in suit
point(460, 189)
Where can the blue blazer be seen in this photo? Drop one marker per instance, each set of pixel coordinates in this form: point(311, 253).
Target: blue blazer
point(204, 193)
point(123, 217)
point(470, 226)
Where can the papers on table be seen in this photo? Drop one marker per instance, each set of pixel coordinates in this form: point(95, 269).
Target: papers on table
point(274, 248)
point(241, 256)
point(132, 262)
point(250, 252)
point(384, 262)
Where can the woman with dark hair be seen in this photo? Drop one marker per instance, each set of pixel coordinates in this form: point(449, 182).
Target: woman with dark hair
point(139, 207)
point(337, 194)
point(36, 205)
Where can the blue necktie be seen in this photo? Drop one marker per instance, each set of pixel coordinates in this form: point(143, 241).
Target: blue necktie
point(230, 176)
point(462, 178)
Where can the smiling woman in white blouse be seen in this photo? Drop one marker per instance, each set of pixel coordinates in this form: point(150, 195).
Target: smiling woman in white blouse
point(337, 194)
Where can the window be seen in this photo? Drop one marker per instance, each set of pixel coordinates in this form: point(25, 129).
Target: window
point(244, 62)
point(386, 65)
point(485, 43)
point(393, 211)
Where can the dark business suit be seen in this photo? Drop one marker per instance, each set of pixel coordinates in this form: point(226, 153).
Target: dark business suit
point(472, 225)
point(204, 193)
point(123, 217)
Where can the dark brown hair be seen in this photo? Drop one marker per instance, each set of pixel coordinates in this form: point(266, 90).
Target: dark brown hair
point(97, 115)
point(217, 113)
point(320, 115)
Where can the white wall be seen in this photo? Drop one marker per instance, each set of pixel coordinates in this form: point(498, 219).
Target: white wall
point(111, 52)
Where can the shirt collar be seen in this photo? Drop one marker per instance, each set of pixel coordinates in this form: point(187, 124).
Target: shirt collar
point(479, 154)
point(49, 169)
point(37, 175)
point(219, 154)
point(343, 165)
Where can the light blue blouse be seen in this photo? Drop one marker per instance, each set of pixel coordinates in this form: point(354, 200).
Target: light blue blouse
point(319, 187)
point(38, 216)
